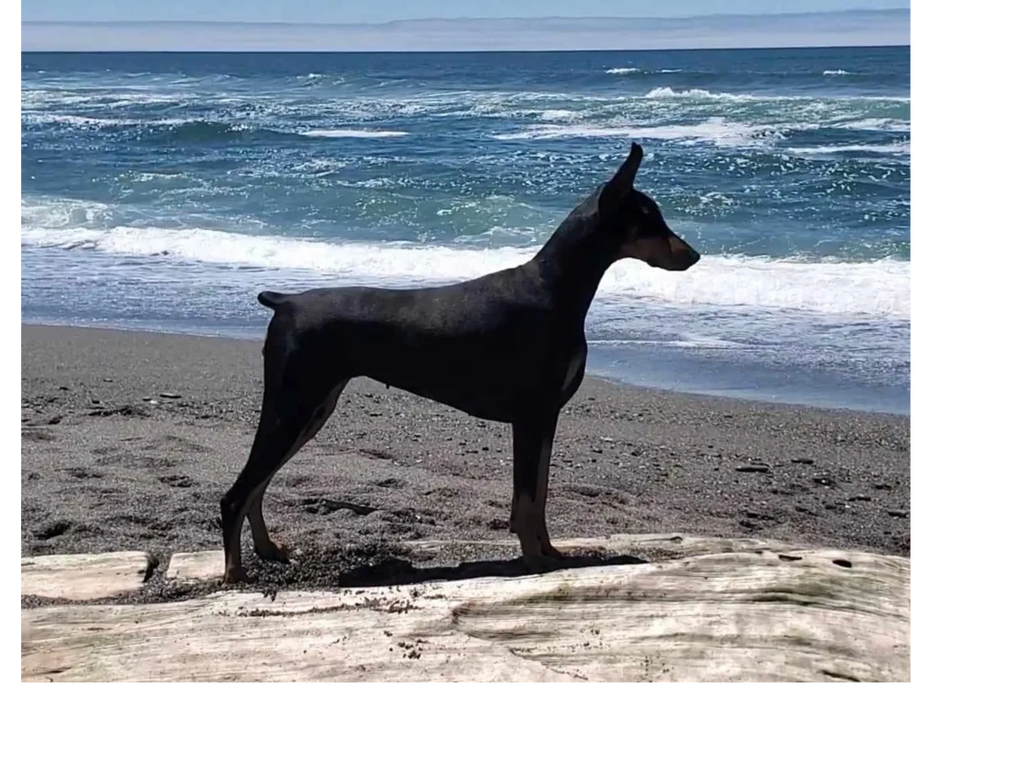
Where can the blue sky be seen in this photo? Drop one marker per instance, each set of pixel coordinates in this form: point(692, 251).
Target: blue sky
point(376, 11)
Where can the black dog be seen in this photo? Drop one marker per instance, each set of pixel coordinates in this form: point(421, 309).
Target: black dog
point(508, 347)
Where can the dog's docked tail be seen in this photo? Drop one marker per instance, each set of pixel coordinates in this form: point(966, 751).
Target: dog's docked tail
point(271, 299)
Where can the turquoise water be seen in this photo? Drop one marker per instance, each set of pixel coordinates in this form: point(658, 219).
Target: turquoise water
point(162, 191)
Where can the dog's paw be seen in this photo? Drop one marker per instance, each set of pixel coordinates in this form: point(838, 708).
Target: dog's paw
point(275, 553)
point(235, 575)
point(550, 551)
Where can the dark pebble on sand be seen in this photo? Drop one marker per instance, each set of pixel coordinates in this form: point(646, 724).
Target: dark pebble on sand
point(171, 396)
point(859, 498)
point(753, 469)
point(802, 461)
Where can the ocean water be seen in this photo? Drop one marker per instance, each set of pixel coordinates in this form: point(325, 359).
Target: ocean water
point(163, 191)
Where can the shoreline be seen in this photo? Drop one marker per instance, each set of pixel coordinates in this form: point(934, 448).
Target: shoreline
point(597, 353)
point(130, 438)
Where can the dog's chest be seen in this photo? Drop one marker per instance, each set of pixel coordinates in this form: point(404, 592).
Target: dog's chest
point(574, 372)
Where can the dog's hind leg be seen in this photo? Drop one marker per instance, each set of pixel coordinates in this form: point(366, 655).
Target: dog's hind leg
point(287, 422)
point(532, 441)
point(265, 547)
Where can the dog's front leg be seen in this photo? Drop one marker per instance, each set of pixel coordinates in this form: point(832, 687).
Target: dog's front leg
point(532, 439)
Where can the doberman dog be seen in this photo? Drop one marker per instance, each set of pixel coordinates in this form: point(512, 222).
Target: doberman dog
point(508, 347)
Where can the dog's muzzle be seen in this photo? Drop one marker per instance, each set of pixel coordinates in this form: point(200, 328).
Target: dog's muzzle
point(683, 256)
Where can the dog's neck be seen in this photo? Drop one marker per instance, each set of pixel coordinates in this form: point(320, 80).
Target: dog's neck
point(574, 260)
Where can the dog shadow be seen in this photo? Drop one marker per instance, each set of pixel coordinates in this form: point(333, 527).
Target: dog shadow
point(325, 570)
point(399, 571)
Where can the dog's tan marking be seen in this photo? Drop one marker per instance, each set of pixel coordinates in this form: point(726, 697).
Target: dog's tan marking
point(653, 251)
point(543, 474)
point(573, 370)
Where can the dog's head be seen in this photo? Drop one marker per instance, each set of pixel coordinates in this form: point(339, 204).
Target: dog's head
point(636, 224)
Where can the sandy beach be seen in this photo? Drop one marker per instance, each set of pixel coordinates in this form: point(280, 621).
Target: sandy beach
point(129, 440)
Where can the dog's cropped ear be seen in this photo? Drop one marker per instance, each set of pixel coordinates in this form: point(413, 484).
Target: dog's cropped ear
point(621, 183)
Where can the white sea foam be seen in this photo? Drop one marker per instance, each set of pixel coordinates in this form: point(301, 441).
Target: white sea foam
point(900, 148)
point(666, 92)
point(353, 133)
point(77, 120)
point(88, 121)
point(557, 114)
point(704, 94)
point(879, 289)
point(660, 93)
point(718, 131)
point(99, 122)
point(56, 213)
point(878, 124)
point(621, 70)
point(834, 72)
point(696, 342)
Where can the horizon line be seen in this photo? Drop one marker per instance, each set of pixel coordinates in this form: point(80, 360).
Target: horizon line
point(496, 50)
